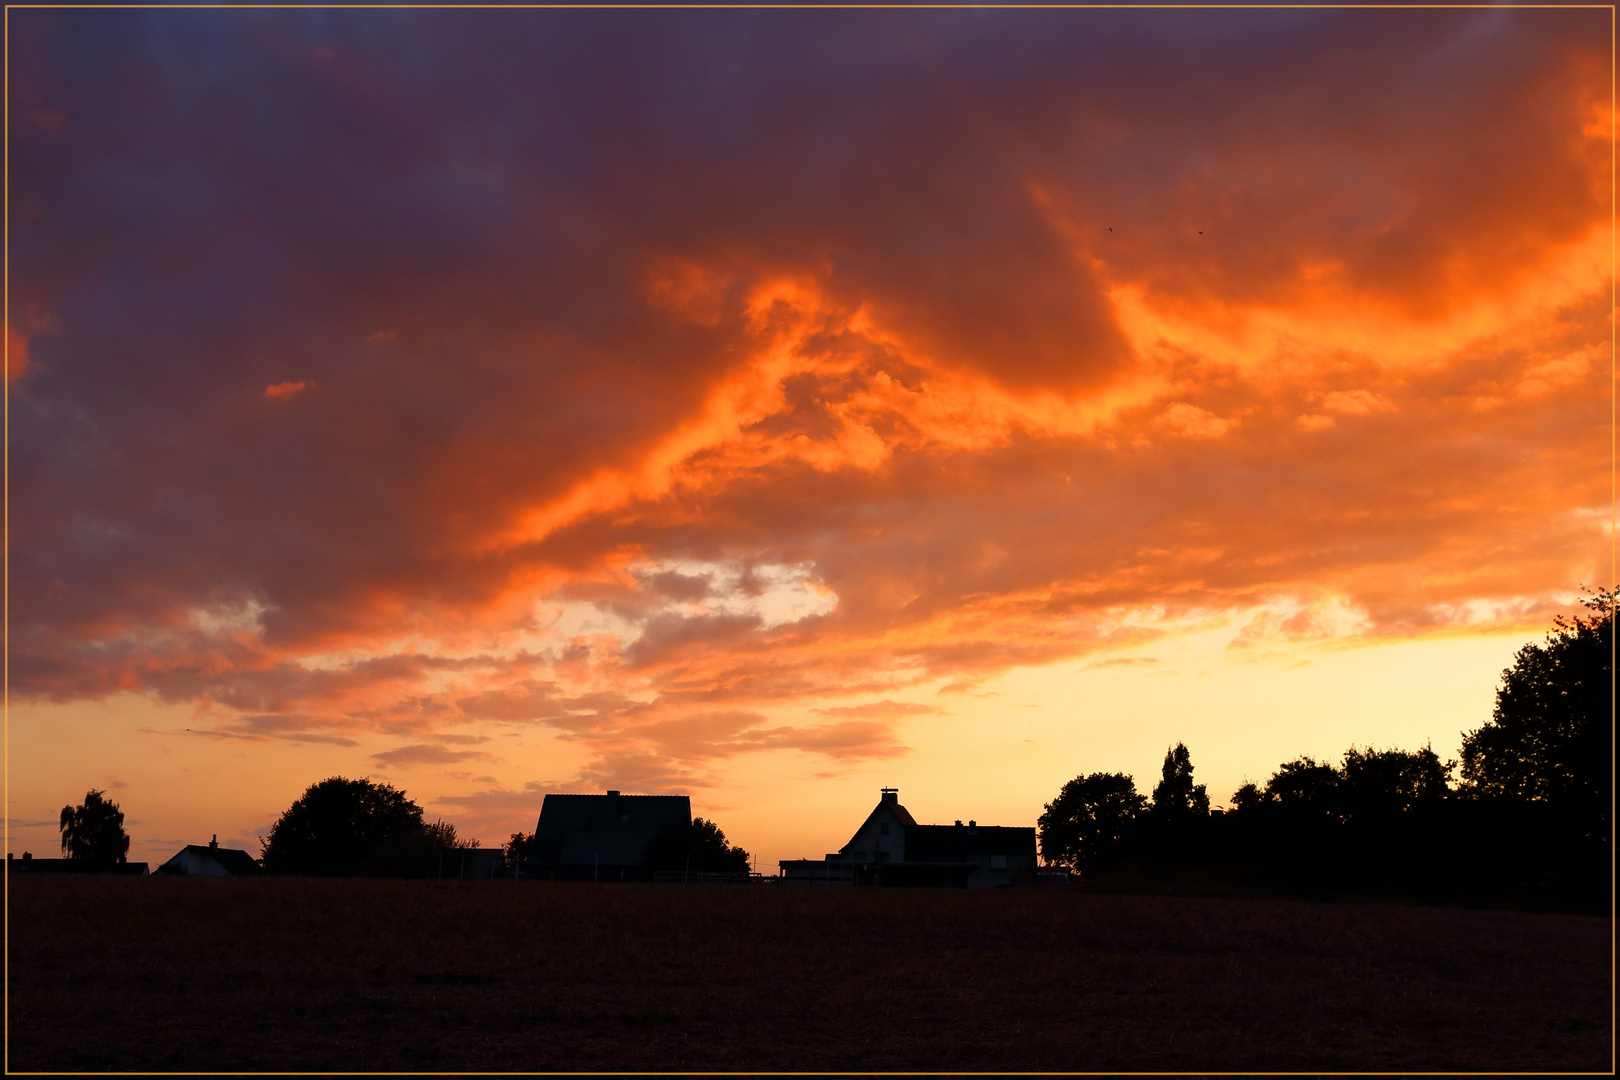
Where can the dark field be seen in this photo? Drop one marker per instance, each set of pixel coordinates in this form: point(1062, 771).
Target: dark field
point(225, 975)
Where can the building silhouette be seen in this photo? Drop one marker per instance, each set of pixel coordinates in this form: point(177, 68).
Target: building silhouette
point(891, 848)
point(603, 837)
point(30, 865)
point(210, 860)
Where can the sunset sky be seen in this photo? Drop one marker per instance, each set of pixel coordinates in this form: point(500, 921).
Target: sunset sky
point(771, 406)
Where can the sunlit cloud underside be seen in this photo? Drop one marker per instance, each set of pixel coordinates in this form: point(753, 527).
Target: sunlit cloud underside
point(516, 401)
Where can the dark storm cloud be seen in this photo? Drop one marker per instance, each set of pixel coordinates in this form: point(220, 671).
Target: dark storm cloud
point(312, 309)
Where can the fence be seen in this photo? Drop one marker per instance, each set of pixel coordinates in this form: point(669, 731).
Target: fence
point(704, 877)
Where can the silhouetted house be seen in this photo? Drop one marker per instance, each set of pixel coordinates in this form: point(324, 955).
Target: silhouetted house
point(603, 837)
point(197, 860)
point(30, 865)
point(890, 848)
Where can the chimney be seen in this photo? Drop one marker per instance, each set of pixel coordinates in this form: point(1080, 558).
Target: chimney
point(213, 845)
point(891, 795)
point(613, 794)
point(958, 823)
point(973, 824)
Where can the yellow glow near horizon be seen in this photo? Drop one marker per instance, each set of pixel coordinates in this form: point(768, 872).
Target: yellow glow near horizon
point(996, 754)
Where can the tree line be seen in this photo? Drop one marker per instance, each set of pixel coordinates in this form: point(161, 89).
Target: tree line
point(358, 828)
point(1530, 808)
point(345, 828)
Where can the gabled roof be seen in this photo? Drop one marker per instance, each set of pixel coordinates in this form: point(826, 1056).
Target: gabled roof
point(894, 808)
point(610, 829)
point(233, 861)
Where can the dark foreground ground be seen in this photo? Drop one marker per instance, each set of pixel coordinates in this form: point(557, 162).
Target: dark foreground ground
point(142, 974)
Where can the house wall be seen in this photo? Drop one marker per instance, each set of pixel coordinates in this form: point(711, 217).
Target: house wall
point(870, 839)
point(985, 876)
point(814, 872)
point(608, 848)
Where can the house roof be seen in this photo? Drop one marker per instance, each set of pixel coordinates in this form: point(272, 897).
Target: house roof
point(612, 829)
point(955, 843)
point(893, 807)
point(233, 861)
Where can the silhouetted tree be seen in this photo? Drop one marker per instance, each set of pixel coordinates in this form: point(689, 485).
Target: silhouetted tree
point(94, 831)
point(1379, 819)
point(701, 846)
point(338, 826)
point(1246, 798)
point(426, 852)
point(1289, 831)
point(1549, 738)
point(1176, 795)
point(1088, 827)
point(1304, 785)
point(1179, 812)
point(1393, 831)
point(441, 836)
point(515, 853)
point(1384, 783)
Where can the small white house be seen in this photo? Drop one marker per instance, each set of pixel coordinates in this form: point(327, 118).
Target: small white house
point(196, 860)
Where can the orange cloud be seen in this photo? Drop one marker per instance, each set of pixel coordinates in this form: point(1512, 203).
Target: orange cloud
point(427, 754)
point(712, 420)
point(16, 354)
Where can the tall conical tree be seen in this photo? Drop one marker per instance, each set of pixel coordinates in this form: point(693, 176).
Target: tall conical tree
point(1179, 814)
point(1177, 796)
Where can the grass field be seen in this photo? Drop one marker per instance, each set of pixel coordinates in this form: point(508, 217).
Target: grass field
point(159, 974)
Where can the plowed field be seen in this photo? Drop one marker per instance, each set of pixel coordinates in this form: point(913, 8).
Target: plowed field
point(156, 974)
